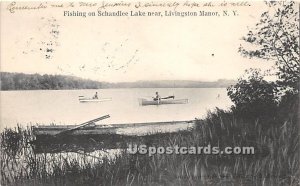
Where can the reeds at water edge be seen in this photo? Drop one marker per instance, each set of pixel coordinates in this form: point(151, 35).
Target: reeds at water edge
point(275, 162)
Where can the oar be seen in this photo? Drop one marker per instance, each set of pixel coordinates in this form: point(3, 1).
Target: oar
point(168, 97)
point(83, 124)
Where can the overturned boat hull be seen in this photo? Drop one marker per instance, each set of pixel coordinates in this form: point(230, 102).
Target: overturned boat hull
point(53, 130)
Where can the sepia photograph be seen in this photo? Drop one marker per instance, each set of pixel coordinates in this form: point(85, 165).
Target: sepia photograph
point(188, 92)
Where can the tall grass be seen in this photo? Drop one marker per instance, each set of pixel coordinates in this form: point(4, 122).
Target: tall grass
point(276, 159)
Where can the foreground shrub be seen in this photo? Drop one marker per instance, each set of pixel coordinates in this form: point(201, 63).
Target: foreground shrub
point(253, 96)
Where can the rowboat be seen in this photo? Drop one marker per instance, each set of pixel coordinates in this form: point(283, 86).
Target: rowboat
point(145, 102)
point(92, 129)
point(82, 99)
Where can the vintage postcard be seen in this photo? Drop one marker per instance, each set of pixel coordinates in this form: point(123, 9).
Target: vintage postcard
point(143, 92)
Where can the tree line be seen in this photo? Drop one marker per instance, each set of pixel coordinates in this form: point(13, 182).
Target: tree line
point(21, 81)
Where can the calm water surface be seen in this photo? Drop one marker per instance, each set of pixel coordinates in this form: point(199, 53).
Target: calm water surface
point(44, 107)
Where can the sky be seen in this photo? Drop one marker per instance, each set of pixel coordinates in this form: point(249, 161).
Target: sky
point(119, 49)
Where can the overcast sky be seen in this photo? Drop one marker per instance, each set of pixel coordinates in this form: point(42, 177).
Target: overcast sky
point(119, 49)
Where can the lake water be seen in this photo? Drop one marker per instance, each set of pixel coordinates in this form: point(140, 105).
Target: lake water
point(44, 107)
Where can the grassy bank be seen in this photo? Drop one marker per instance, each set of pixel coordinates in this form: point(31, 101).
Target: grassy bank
point(276, 158)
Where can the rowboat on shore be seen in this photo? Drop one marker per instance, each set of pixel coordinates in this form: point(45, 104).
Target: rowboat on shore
point(145, 102)
point(83, 99)
point(91, 129)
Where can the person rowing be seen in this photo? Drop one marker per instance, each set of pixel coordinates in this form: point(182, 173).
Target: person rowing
point(96, 96)
point(158, 98)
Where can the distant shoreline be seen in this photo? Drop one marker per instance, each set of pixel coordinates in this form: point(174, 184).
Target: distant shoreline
point(114, 88)
point(21, 81)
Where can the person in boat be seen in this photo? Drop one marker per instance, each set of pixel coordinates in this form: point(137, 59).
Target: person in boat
point(96, 96)
point(157, 97)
